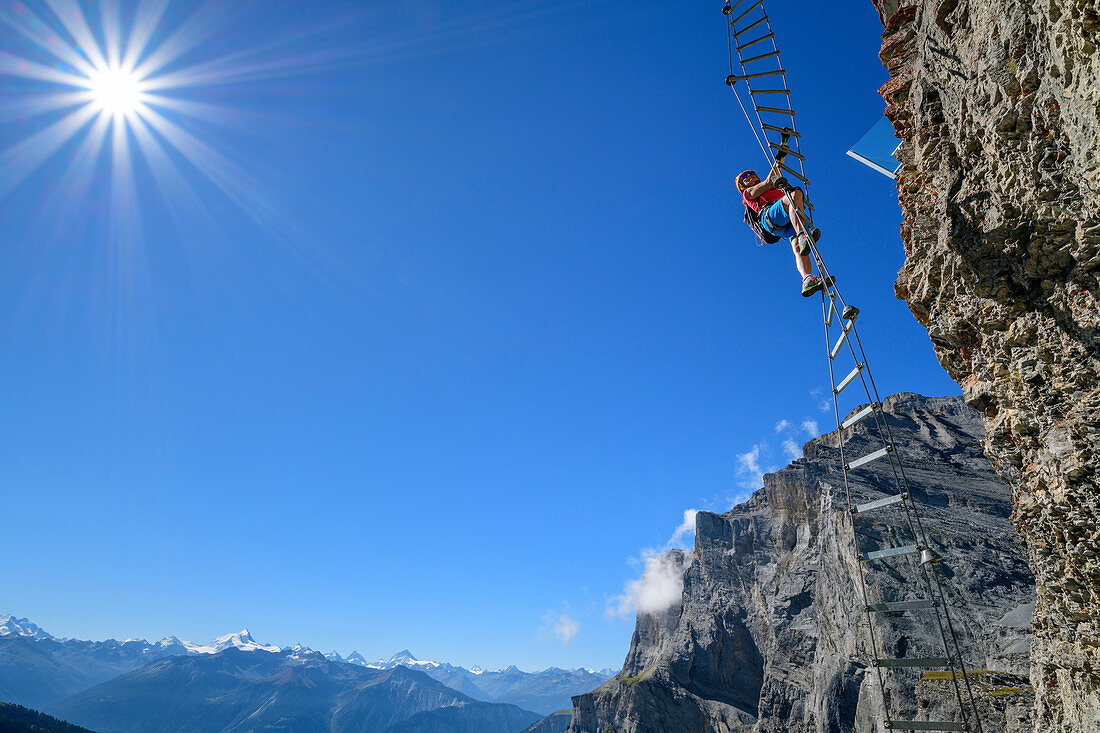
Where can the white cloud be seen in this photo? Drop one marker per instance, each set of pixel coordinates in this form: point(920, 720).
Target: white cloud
point(660, 587)
point(791, 449)
point(749, 475)
point(560, 624)
point(782, 425)
point(824, 405)
point(810, 426)
point(687, 527)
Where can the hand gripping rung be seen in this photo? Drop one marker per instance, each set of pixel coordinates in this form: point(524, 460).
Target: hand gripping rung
point(891, 552)
point(757, 75)
point(748, 28)
point(777, 110)
point(761, 57)
point(848, 379)
point(914, 662)
point(859, 415)
point(843, 337)
point(879, 503)
point(925, 725)
point(781, 130)
point(743, 46)
point(736, 20)
point(868, 458)
point(784, 150)
point(901, 606)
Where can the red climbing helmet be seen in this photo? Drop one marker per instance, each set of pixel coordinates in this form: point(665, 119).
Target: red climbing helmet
point(741, 184)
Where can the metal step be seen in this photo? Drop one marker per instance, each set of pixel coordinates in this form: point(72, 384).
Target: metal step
point(748, 28)
point(771, 91)
point(859, 415)
point(921, 605)
point(879, 503)
point(786, 151)
point(780, 130)
point(741, 17)
point(757, 75)
point(743, 46)
point(925, 725)
point(832, 311)
point(848, 379)
point(914, 662)
point(761, 57)
point(890, 552)
point(795, 173)
point(868, 458)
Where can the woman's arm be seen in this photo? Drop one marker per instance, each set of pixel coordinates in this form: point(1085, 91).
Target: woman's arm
point(754, 192)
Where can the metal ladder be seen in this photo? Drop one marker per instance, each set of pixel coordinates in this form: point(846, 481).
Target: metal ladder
point(839, 319)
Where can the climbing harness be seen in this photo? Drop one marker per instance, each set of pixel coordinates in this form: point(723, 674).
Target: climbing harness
point(839, 320)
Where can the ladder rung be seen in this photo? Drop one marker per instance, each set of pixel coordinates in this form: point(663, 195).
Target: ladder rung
point(859, 416)
point(781, 130)
point(777, 110)
point(891, 552)
point(743, 46)
point(843, 337)
point(757, 75)
point(868, 458)
point(832, 310)
point(879, 503)
point(761, 57)
point(925, 725)
point(795, 173)
point(848, 379)
point(751, 8)
point(786, 151)
point(914, 662)
point(771, 91)
point(901, 606)
point(748, 28)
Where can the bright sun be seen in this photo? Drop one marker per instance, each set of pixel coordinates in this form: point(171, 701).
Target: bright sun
point(116, 91)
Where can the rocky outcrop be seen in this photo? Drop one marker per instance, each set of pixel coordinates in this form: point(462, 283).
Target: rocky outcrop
point(770, 635)
point(998, 105)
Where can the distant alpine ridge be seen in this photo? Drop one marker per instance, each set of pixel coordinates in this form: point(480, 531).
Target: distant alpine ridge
point(114, 685)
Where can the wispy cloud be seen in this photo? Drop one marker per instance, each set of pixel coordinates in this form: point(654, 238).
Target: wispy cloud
point(810, 426)
point(686, 528)
point(560, 624)
point(791, 449)
point(824, 405)
point(782, 425)
point(749, 474)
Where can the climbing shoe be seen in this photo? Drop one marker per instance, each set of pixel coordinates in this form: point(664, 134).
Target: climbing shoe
point(804, 241)
point(811, 285)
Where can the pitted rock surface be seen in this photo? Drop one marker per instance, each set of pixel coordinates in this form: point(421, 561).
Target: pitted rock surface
point(770, 634)
point(998, 105)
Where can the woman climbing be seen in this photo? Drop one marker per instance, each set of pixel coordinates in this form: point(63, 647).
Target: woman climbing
point(780, 214)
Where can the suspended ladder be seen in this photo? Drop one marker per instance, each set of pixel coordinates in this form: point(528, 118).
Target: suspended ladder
point(754, 53)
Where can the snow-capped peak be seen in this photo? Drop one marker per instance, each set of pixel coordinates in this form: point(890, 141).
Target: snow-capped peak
point(403, 656)
point(240, 640)
point(476, 670)
point(357, 658)
point(10, 625)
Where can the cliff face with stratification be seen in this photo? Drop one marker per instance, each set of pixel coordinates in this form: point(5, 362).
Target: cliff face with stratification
point(770, 634)
point(998, 104)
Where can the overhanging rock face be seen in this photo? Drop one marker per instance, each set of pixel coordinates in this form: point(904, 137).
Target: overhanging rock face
point(770, 634)
point(998, 104)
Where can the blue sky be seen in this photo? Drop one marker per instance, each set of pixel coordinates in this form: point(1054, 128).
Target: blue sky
point(447, 318)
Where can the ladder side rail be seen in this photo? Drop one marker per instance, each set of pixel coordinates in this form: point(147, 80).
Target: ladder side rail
point(862, 570)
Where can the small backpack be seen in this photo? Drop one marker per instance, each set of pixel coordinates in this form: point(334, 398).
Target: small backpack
point(752, 218)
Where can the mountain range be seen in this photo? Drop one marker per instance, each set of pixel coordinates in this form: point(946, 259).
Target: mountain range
point(236, 683)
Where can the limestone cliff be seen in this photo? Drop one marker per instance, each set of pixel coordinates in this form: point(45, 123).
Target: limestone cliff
point(770, 634)
point(998, 104)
